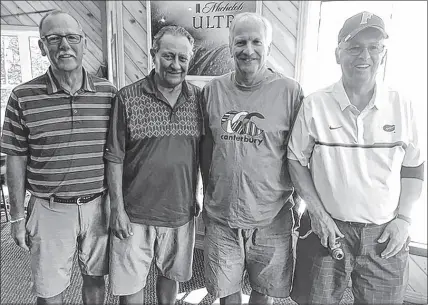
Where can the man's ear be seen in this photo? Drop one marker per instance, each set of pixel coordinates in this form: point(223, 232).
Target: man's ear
point(268, 49)
point(42, 47)
point(336, 53)
point(85, 45)
point(152, 53)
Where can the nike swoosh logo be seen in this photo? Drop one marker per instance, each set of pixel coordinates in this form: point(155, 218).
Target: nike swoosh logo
point(332, 128)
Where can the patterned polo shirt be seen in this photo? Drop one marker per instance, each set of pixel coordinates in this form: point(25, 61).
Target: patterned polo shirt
point(357, 158)
point(158, 147)
point(63, 135)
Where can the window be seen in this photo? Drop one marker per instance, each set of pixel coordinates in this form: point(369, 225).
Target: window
point(21, 60)
point(405, 68)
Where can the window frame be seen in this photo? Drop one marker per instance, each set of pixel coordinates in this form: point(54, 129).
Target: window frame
point(23, 33)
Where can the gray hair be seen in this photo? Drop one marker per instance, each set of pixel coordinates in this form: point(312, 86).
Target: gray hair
point(253, 17)
point(174, 30)
point(57, 12)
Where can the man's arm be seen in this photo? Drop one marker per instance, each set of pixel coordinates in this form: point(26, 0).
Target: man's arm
point(119, 220)
point(322, 223)
point(114, 156)
point(15, 178)
point(206, 144)
point(206, 151)
point(412, 176)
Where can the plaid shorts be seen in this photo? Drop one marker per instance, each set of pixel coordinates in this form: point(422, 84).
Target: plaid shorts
point(319, 279)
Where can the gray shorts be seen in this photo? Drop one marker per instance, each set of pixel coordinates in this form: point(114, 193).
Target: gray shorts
point(56, 231)
point(266, 253)
point(131, 258)
point(319, 279)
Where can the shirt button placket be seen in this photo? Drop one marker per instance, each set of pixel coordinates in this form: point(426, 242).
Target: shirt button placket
point(360, 130)
point(75, 112)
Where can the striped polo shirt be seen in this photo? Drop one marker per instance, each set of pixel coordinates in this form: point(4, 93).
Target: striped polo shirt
point(356, 157)
point(63, 135)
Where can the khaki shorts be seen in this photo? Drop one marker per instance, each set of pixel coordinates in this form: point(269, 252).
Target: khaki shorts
point(55, 231)
point(131, 258)
point(265, 253)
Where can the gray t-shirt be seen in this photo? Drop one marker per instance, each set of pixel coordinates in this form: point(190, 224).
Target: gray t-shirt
point(248, 181)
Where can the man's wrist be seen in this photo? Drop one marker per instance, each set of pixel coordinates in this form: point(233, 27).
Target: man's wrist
point(405, 218)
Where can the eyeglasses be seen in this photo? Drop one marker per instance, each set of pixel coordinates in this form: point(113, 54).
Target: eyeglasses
point(56, 39)
point(374, 49)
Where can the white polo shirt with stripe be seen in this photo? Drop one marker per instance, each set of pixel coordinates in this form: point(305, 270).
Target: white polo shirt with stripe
point(355, 158)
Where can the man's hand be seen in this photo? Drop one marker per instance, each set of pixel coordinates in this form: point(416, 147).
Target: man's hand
point(120, 224)
point(326, 229)
point(18, 233)
point(397, 231)
point(198, 204)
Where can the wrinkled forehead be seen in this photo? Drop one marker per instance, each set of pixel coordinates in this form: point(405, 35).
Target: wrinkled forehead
point(60, 24)
point(249, 27)
point(175, 43)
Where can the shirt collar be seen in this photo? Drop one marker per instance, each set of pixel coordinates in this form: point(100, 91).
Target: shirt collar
point(53, 85)
point(380, 96)
point(340, 95)
point(150, 87)
point(342, 98)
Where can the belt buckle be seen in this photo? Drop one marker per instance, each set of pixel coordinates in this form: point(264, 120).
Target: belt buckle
point(78, 201)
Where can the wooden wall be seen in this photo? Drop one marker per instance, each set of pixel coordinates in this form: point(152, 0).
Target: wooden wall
point(88, 13)
point(282, 14)
point(135, 39)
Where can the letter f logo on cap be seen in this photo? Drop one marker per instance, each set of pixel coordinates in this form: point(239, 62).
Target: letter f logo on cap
point(366, 16)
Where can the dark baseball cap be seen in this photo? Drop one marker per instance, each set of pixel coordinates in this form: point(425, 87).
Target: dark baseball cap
point(359, 22)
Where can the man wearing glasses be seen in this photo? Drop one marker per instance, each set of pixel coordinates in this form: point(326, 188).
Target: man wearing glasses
point(365, 172)
point(54, 134)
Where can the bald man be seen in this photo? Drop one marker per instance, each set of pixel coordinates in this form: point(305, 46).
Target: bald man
point(54, 135)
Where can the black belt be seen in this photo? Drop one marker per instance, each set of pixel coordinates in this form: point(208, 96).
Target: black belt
point(76, 200)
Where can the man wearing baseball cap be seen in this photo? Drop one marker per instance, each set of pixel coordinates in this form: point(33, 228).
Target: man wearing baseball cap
point(355, 159)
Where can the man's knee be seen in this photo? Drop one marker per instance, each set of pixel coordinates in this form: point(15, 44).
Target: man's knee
point(55, 300)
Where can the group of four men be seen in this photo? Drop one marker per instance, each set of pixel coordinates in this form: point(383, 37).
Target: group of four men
point(353, 157)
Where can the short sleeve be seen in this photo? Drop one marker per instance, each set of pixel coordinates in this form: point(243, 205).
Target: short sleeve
point(413, 156)
point(14, 133)
point(118, 132)
point(301, 141)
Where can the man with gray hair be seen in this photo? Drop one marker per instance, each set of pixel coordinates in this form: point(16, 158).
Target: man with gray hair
point(248, 114)
point(152, 169)
point(54, 134)
point(355, 159)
